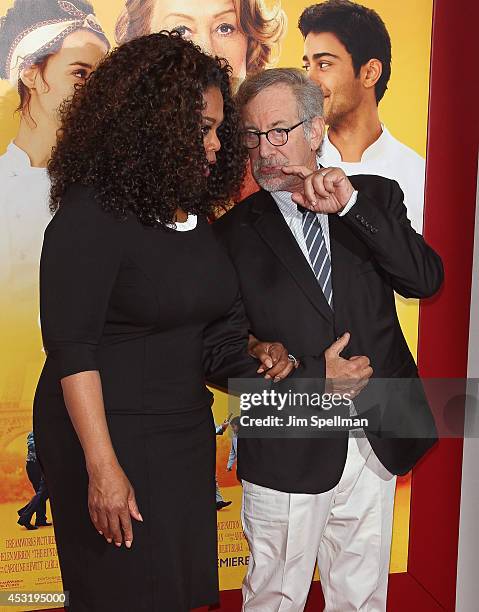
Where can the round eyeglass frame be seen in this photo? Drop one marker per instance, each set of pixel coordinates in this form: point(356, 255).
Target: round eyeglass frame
point(258, 135)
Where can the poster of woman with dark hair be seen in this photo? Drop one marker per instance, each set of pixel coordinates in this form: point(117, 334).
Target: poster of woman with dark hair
point(47, 47)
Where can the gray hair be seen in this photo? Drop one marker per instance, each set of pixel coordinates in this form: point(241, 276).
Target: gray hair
point(309, 97)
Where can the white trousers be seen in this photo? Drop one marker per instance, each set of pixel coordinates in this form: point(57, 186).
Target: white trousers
point(346, 530)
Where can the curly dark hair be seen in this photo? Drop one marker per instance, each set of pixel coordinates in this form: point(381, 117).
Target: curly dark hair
point(134, 132)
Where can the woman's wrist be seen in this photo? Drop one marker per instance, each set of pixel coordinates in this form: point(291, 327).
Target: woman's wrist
point(99, 463)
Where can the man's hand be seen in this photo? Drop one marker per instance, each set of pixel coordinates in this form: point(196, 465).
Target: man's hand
point(273, 357)
point(326, 190)
point(224, 424)
point(346, 375)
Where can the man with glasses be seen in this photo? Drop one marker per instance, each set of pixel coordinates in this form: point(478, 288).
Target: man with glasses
point(318, 257)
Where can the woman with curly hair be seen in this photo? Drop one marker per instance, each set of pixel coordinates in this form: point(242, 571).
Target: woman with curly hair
point(139, 305)
point(245, 32)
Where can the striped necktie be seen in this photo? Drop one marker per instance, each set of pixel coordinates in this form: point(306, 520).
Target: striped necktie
point(318, 253)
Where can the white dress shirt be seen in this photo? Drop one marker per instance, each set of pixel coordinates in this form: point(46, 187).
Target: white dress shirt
point(294, 219)
point(389, 158)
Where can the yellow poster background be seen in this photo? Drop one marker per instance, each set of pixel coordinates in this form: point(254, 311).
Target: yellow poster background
point(28, 561)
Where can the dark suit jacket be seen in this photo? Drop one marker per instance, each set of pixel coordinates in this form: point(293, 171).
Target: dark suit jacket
point(374, 252)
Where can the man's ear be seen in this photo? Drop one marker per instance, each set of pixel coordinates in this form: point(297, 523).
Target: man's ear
point(317, 132)
point(371, 73)
point(29, 76)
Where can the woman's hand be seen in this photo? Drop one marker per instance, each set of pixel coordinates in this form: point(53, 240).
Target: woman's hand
point(274, 358)
point(111, 502)
point(111, 499)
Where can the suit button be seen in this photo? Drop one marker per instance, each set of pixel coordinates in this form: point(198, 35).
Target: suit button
point(373, 230)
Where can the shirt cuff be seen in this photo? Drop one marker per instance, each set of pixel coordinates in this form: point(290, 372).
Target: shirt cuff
point(351, 202)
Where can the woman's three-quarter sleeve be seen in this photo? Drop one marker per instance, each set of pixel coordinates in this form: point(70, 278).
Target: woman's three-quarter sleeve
point(81, 257)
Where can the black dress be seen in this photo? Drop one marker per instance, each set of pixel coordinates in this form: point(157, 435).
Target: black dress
point(153, 310)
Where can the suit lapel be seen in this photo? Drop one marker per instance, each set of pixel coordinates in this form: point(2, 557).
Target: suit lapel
point(340, 260)
point(271, 226)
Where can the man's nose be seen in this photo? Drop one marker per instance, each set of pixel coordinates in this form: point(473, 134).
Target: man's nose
point(265, 147)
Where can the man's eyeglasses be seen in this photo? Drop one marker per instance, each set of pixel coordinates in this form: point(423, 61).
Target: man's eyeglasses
point(276, 136)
